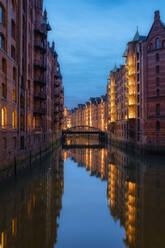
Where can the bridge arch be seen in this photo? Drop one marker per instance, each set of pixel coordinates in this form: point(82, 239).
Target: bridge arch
point(84, 128)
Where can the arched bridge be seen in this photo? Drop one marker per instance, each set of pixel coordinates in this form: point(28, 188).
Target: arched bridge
point(72, 137)
point(82, 130)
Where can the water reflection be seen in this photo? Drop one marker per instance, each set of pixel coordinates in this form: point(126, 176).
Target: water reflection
point(30, 207)
point(135, 191)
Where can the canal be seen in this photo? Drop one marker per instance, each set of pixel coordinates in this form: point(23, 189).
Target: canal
point(88, 197)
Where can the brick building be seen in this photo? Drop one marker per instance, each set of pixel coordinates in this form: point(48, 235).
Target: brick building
point(30, 82)
point(136, 93)
point(92, 114)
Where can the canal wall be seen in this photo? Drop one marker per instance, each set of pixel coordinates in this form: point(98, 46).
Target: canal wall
point(21, 161)
point(137, 148)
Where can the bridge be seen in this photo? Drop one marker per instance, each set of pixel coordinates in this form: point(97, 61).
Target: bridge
point(69, 136)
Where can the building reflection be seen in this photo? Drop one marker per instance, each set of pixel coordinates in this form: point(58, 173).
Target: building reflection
point(30, 208)
point(136, 193)
point(94, 160)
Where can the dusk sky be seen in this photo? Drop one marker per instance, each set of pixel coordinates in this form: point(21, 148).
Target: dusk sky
point(90, 37)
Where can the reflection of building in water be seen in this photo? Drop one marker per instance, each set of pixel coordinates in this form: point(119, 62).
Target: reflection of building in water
point(30, 210)
point(95, 160)
point(136, 192)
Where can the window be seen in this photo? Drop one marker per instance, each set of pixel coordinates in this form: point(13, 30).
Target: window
point(4, 117)
point(4, 91)
point(13, 4)
point(14, 119)
point(157, 92)
point(137, 56)
point(12, 29)
point(22, 142)
point(138, 66)
point(157, 125)
point(14, 95)
point(157, 43)
point(157, 69)
point(2, 42)
point(157, 81)
point(22, 122)
point(138, 77)
point(12, 51)
point(158, 109)
point(14, 74)
point(4, 66)
point(1, 15)
point(157, 57)
point(29, 121)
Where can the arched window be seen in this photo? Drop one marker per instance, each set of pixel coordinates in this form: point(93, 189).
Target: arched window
point(29, 121)
point(4, 117)
point(157, 43)
point(14, 119)
point(4, 66)
point(157, 125)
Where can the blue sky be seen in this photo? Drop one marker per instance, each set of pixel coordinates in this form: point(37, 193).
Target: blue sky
point(90, 37)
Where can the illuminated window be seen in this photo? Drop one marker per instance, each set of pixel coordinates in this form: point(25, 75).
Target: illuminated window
point(4, 117)
point(157, 43)
point(14, 119)
point(14, 95)
point(29, 121)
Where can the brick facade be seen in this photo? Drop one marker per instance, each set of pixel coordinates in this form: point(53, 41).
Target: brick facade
point(29, 71)
point(136, 92)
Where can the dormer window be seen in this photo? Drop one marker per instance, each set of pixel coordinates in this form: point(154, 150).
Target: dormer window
point(157, 43)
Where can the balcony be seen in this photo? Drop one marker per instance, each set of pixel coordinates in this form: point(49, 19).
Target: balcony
point(40, 30)
point(40, 45)
point(56, 85)
point(40, 95)
point(39, 110)
point(40, 79)
point(38, 64)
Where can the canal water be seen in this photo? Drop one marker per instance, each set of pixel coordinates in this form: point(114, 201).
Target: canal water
point(89, 197)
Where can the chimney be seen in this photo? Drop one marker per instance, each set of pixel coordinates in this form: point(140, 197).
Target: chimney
point(53, 45)
point(157, 15)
